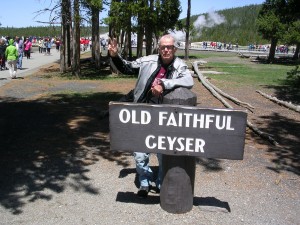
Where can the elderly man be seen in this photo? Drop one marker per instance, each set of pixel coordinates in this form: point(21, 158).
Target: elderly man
point(157, 74)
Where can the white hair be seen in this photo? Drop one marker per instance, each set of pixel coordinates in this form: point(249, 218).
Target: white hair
point(169, 36)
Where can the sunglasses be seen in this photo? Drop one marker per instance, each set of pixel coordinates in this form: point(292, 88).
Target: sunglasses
point(168, 47)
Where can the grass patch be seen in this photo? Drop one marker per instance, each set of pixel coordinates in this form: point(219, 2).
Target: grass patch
point(207, 55)
point(249, 73)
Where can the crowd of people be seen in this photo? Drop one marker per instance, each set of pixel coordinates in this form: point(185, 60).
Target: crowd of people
point(219, 45)
point(279, 49)
point(86, 43)
point(45, 44)
point(256, 47)
point(24, 48)
point(11, 53)
point(13, 49)
point(251, 47)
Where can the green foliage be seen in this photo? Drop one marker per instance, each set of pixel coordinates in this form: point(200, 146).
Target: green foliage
point(162, 16)
point(169, 14)
point(270, 26)
point(293, 34)
point(31, 31)
point(94, 3)
point(271, 19)
point(120, 12)
point(294, 76)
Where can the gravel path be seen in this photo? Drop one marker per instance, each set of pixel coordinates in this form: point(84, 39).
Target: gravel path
point(56, 167)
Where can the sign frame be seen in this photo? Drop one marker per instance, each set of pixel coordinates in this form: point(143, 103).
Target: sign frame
point(177, 130)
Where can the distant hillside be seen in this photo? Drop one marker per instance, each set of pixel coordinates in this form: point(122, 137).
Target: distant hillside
point(235, 25)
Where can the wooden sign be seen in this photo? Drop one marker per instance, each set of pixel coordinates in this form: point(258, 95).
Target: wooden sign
point(177, 130)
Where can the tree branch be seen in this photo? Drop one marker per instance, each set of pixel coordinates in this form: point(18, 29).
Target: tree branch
point(280, 102)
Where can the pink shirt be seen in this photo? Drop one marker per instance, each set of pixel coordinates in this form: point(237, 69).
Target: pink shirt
point(28, 45)
point(161, 74)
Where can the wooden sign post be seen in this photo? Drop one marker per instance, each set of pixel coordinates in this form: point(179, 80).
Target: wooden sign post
point(178, 172)
point(180, 132)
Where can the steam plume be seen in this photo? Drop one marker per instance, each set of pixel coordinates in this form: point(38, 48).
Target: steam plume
point(212, 19)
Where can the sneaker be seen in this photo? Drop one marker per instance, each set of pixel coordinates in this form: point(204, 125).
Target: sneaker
point(157, 190)
point(154, 189)
point(143, 192)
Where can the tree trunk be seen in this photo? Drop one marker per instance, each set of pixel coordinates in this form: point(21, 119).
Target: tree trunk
point(127, 50)
point(76, 41)
point(296, 54)
point(62, 52)
point(149, 40)
point(129, 42)
point(95, 37)
point(69, 37)
point(63, 37)
point(187, 30)
point(140, 33)
point(139, 41)
point(149, 31)
point(272, 50)
point(155, 46)
point(280, 102)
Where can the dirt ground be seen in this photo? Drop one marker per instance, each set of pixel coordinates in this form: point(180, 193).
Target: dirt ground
point(56, 166)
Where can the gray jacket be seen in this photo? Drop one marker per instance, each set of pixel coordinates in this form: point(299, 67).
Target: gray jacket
point(147, 67)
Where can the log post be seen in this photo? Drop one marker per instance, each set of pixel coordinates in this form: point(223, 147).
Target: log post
point(177, 190)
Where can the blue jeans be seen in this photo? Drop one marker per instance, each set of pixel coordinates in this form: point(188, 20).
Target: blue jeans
point(19, 62)
point(144, 170)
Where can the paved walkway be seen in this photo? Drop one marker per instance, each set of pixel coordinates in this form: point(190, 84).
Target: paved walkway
point(30, 65)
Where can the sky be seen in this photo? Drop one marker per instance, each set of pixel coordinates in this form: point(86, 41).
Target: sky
point(17, 16)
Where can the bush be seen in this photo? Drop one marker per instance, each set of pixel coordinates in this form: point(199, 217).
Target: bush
point(294, 76)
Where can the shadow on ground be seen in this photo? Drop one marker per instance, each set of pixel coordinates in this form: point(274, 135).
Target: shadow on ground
point(288, 93)
point(130, 197)
point(48, 144)
point(285, 131)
